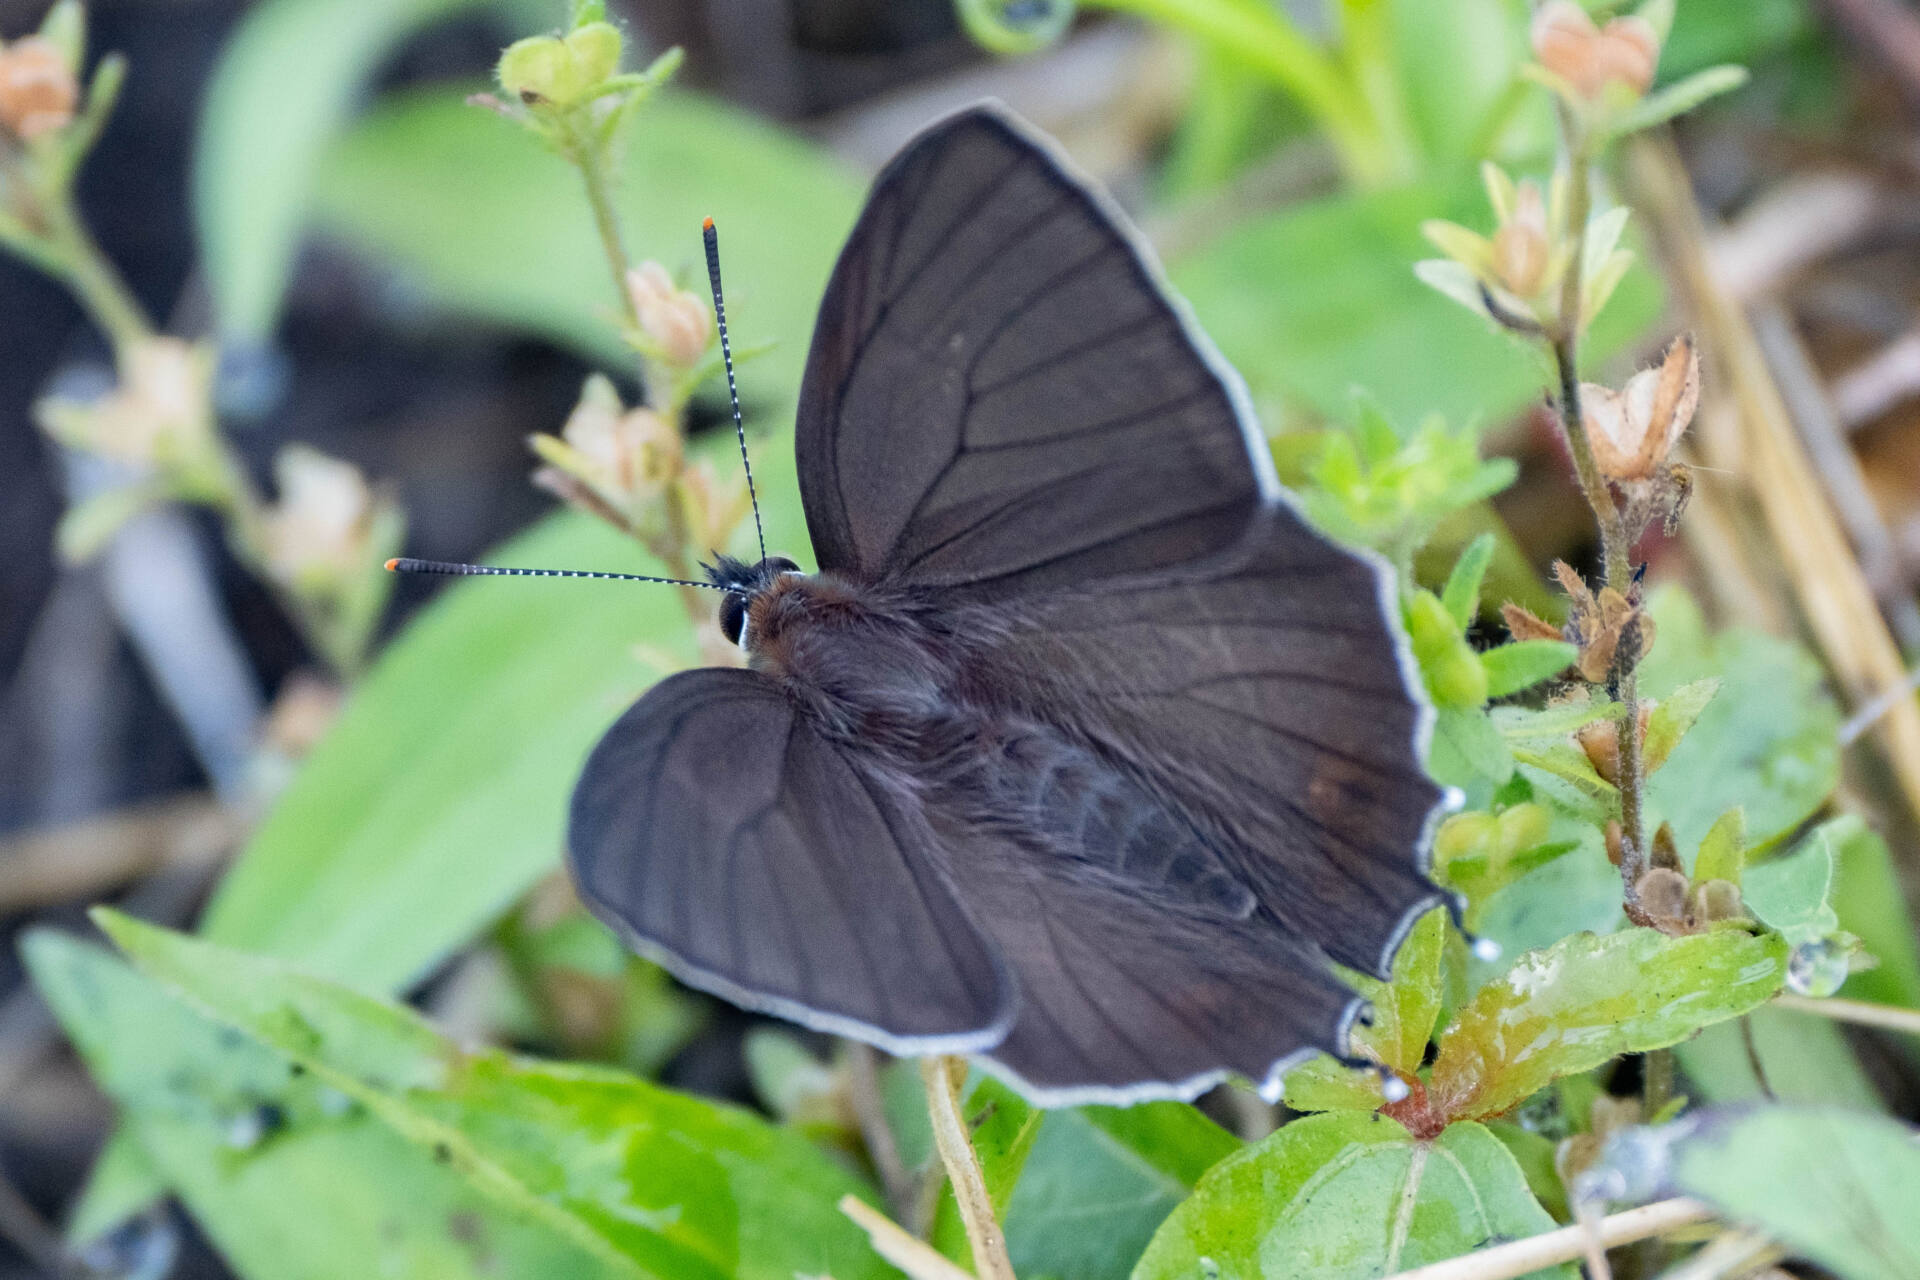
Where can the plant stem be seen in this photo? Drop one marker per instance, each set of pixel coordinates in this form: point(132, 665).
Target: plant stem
point(95, 282)
point(1863, 1012)
point(593, 172)
point(1614, 541)
point(1523, 1257)
point(914, 1256)
point(942, 1076)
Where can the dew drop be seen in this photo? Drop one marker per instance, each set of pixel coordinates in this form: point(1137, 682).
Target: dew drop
point(1393, 1088)
point(1816, 968)
point(1486, 949)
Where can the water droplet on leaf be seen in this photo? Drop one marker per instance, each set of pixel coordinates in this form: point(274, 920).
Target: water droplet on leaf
point(1816, 968)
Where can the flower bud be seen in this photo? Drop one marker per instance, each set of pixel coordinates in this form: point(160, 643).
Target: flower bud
point(713, 507)
point(1520, 247)
point(160, 413)
point(1589, 58)
point(560, 70)
point(1663, 896)
point(1633, 430)
point(38, 91)
point(316, 533)
point(675, 321)
point(1715, 900)
point(627, 456)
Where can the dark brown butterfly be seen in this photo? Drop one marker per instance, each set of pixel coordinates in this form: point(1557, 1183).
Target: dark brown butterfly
point(1081, 751)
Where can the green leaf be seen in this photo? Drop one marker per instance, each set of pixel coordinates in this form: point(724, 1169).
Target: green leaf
point(1099, 1180)
point(1552, 723)
point(1466, 750)
point(1403, 1013)
point(285, 82)
point(1836, 1187)
point(478, 217)
point(1320, 297)
point(1804, 1058)
point(1766, 742)
point(1522, 664)
point(658, 1183)
point(1871, 904)
point(1590, 998)
point(1723, 850)
point(1677, 99)
point(1789, 894)
point(288, 1178)
point(1709, 32)
point(1462, 593)
point(1349, 1197)
point(1669, 721)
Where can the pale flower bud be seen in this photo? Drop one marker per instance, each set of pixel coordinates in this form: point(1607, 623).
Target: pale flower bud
point(160, 412)
point(316, 533)
point(1588, 58)
point(1633, 430)
point(1520, 248)
point(629, 454)
point(38, 91)
point(674, 320)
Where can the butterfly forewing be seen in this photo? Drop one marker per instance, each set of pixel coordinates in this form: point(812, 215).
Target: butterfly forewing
point(1000, 395)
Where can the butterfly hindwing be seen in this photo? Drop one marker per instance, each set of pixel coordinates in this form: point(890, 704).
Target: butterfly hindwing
point(1259, 689)
point(1001, 395)
point(724, 838)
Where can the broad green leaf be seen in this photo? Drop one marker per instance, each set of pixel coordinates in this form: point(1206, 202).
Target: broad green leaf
point(1577, 892)
point(1590, 998)
point(1766, 742)
point(289, 1179)
point(285, 82)
point(1670, 720)
point(1804, 1058)
point(1836, 1187)
point(1320, 297)
point(1534, 1153)
point(1524, 663)
point(474, 213)
point(1723, 850)
point(1099, 1180)
point(661, 1183)
point(1789, 893)
point(1402, 1015)
point(1346, 1196)
point(1871, 904)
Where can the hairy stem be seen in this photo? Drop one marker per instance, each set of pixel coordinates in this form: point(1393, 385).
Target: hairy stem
point(1615, 543)
point(593, 172)
point(950, 1135)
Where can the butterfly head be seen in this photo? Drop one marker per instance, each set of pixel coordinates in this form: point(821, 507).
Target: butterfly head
point(742, 582)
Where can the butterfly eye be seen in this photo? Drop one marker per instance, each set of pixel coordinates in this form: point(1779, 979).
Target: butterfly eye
point(733, 617)
point(780, 564)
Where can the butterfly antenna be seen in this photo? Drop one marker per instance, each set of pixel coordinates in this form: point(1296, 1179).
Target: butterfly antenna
point(450, 568)
point(712, 239)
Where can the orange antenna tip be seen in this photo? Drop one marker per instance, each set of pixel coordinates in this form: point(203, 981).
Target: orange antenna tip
point(392, 564)
point(706, 224)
